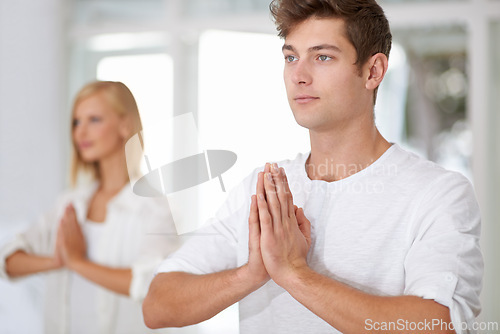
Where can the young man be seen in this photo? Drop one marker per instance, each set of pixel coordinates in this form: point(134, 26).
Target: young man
point(383, 241)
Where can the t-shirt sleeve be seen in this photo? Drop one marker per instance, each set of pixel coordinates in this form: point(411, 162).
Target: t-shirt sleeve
point(158, 240)
point(214, 248)
point(444, 262)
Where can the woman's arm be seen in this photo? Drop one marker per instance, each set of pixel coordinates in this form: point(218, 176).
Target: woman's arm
point(114, 279)
point(32, 251)
point(71, 245)
point(21, 263)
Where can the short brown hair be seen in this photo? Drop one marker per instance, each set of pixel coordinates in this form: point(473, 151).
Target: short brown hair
point(367, 27)
point(120, 98)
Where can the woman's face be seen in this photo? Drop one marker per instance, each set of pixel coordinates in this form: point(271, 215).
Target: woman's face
point(98, 130)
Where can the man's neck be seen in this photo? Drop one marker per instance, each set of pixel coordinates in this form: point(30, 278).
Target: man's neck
point(340, 153)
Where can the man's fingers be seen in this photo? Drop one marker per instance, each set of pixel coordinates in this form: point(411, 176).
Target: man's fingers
point(304, 224)
point(266, 223)
point(289, 196)
point(267, 168)
point(273, 202)
point(260, 184)
point(254, 212)
point(253, 222)
point(281, 192)
point(260, 180)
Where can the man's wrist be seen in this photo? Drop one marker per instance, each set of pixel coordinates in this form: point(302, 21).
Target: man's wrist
point(245, 276)
point(294, 277)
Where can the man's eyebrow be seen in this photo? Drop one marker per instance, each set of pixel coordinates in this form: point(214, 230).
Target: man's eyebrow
point(324, 47)
point(313, 48)
point(288, 47)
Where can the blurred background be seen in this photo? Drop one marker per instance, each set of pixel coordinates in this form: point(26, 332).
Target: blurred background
point(221, 61)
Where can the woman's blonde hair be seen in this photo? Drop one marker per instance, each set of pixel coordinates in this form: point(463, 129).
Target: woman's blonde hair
point(121, 100)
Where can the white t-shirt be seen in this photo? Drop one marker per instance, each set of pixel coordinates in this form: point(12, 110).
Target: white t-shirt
point(402, 226)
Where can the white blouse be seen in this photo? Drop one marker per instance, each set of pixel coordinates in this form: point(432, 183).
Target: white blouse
point(83, 293)
point(138, 234)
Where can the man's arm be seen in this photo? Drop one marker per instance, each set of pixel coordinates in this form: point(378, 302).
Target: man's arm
point(284, 251)
point(352, 311)
point(178, 299)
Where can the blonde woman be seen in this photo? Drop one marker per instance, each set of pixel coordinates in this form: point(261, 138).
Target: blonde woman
point(100, 245)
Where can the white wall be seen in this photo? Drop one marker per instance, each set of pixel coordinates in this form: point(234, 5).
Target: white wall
point(32, 116)
point(32, 135)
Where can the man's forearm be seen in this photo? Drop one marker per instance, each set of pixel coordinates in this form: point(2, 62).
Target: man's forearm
point(352, 311)
point(179, 299)
point(21, 264)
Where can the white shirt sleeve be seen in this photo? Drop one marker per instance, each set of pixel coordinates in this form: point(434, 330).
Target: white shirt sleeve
point(38, 239)
point(159, 239)
point(214, 247)
point(445, 262)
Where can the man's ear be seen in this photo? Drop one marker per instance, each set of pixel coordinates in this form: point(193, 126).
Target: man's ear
point(377, 68)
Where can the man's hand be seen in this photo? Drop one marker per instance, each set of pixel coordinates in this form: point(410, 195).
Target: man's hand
point(255, 267)
point(285, 231)
point(71, 242)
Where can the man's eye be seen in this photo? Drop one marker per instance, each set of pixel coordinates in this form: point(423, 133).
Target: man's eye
point(76, 122)
point(95, 119)
point(324, 58)
point(290, 58)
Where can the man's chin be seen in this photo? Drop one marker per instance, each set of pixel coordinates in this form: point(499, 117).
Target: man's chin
point(304, 121)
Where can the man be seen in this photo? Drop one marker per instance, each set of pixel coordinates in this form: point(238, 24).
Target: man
point(383, 241)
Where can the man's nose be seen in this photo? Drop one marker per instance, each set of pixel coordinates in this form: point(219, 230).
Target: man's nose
point(301, 73)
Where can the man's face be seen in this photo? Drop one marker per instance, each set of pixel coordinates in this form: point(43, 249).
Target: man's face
point(324, 86)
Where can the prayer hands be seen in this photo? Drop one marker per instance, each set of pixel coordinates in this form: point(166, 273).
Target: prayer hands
point(277, 228)
point(256, 267)
point(70, 244)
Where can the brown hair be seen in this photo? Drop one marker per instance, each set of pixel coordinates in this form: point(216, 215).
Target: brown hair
point(367, 27)
point(122, 102)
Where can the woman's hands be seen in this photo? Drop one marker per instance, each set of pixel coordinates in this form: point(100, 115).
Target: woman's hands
point(70, 243)
point(71, 249)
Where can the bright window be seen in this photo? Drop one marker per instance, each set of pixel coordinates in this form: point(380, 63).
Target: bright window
point(150, 78)
point(242, 101)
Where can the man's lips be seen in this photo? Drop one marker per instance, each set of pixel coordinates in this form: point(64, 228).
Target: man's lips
point(302, 99)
